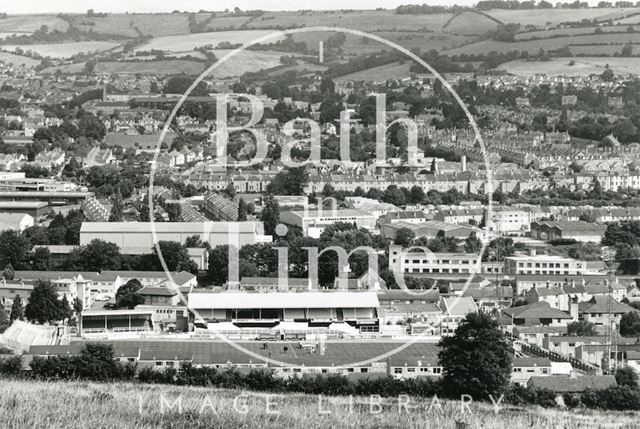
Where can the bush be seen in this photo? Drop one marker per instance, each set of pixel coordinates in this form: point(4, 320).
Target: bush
point(95, 362)
point(519, 395)
point(571, 400)
point(613, 398)
point(11, 366)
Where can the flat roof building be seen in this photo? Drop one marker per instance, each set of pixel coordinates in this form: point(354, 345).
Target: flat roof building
point(418, 261)
point(36, 209)
point(544, 264)
point(140, 234)
point(313, 222)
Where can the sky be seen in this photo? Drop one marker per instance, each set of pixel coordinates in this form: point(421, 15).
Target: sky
point(81, 6)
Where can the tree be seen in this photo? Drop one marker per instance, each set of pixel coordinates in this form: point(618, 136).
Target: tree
point(472, 243)
point(476, 360)
point(96, 256)
point(607, 75)
point(270, 215)
point(416, 195)
point(8, 273)
point(17, 310)
point(14, 249)
point(630, 324)
point(230, 190)
point(174, 212)
point(127, 295)
point(242, 210)
point(394, 195)
point(218, 270)
point(4, 319)
point(175, 255)
point(626, 376)
point(404, 237)
point(195, 241)
point(77, 306)
point(65, 308)
point(581, 328)
point(291, 181)
point(43, 306)
point(41, 259)
point(117, 209)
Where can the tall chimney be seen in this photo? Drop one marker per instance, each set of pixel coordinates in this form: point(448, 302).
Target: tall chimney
point(463, 163)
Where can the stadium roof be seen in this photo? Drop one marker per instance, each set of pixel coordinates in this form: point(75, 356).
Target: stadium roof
point(250, 300)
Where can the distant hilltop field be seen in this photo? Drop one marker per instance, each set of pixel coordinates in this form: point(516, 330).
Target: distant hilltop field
point(185, 42)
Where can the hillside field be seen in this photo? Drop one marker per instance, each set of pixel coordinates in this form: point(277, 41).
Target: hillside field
point(31, 23)
point(551, 17)
point(166, 67)
point(583, 66)
point(190, 41)
point(63, 50)
point(382, 73)
point(611, 41)
point(73, 405)
point(17, 60)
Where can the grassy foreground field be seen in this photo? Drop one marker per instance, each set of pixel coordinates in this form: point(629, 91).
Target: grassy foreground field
point(26, 404)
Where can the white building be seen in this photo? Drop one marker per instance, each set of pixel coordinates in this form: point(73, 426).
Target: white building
point(313, 222)
point(418, 261)
point(543, 264)
point(15, 221)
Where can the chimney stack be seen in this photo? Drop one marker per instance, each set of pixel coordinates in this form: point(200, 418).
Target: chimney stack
point(463, 163)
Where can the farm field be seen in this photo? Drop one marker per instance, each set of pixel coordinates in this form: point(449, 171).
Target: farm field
point(126, 24)
point(569, 32)
point(245, 61)
point(64, 50)
point(115, 406)
point(635, 19)
point(17, 60)
point(381, 73)
point(532, 46)
point(166, 67)
point(471, 23)
point(222, 22)
point(67, 68)
point(367, 20)
point(584, 66)
point(604, 50)
point(553, 17)
point(302, 67)
point(188, 42)
point(31, 23)
point(357, 45)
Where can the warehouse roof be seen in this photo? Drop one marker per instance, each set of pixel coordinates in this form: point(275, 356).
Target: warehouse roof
point(186, 227)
